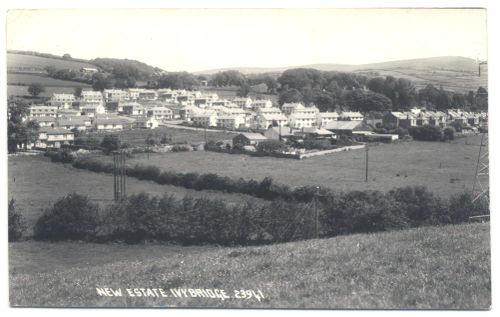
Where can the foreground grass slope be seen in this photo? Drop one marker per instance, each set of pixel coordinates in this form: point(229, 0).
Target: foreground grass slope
point(432, 267)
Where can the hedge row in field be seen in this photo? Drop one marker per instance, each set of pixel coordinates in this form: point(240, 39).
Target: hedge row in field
point(265, 189)
point(199, 221)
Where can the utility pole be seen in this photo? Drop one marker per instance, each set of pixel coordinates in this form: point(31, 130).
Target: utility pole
point(119, 174)
point(366, 167)
point(481, 188)
point(479, 67)
point(316, 213)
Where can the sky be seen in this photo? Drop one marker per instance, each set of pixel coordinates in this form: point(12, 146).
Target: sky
point(201, 39)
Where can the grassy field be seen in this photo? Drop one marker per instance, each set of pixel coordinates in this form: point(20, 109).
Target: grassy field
point(13, 90)
point(21, 60)
point(138, 137)
point(28, 79)
point(36, 183)
point(432, 267)
point(445, 168)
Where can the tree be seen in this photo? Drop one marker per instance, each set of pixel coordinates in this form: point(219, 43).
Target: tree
point(426, 133)
point(110, 143)
point(78, 92)
point(66, 56)
point(101, 82)
point(244, 90)
point(17, 224)
point(290, 95)
point(73, 217)
point(150, 140)
point(448, 133)
point(19, 132)
point(35, 89)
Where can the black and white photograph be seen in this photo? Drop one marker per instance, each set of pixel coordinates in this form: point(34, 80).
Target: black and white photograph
point(262, 158)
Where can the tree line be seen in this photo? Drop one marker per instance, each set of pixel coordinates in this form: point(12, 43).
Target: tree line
point(189, 221)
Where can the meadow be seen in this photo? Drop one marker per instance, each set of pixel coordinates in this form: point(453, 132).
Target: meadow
point(35, 183)
point(445, 168)
point(21, 60)
point(425, 268)
point(27, 79)
point(137, 137)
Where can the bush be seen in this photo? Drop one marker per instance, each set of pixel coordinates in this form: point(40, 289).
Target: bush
point(73, 217)
point(182, 148)
point(461, 207)
point(271, 146)
point(110, 143)
point(448, 133)
point(17, 224)
point(426, 133)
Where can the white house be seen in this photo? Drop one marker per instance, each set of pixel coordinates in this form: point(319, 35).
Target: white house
point(133, 93)
point(265, 120)
point(90, 109)
point(205, 119)
point(261, 103)
point(44, 121)
point(43, 111)
point(231, 121)
point(132, 108)
point(160, 113)
point(90, 96)
point(351, 116)
point(145, 123)
point(289, 108)
point(148, 94)
point(64, 101)
point(324, 117)
point(108, 124)
point(80, 123)
point(242, 102)
point(115, 95)
point(299, 120)
point(54, 137)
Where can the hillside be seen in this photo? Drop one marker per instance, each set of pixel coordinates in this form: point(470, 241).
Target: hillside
point(447, 267)
point(453, 73)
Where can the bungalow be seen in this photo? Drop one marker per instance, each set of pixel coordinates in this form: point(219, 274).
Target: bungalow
point(80, 123)
point(220, 102)
point(348, 127)
point(457, 117)
point(43, 111)
point(44, 121)
point(231, 121)
point(300, 120)
point(400, 119)
point(108, 124)
point(351, 116)
point(54, 137)
point(322, 118)
point(437, 118)
point(261, 103)
point(145, 123)
point(205, 119)
point(244, 139)
point(266, 120)
point(160, 113)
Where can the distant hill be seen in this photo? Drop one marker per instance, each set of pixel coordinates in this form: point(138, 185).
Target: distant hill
point(35, 60)
point(452, 72)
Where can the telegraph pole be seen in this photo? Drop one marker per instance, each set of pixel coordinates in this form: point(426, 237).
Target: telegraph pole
point(366, 167)
point(119, 173)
